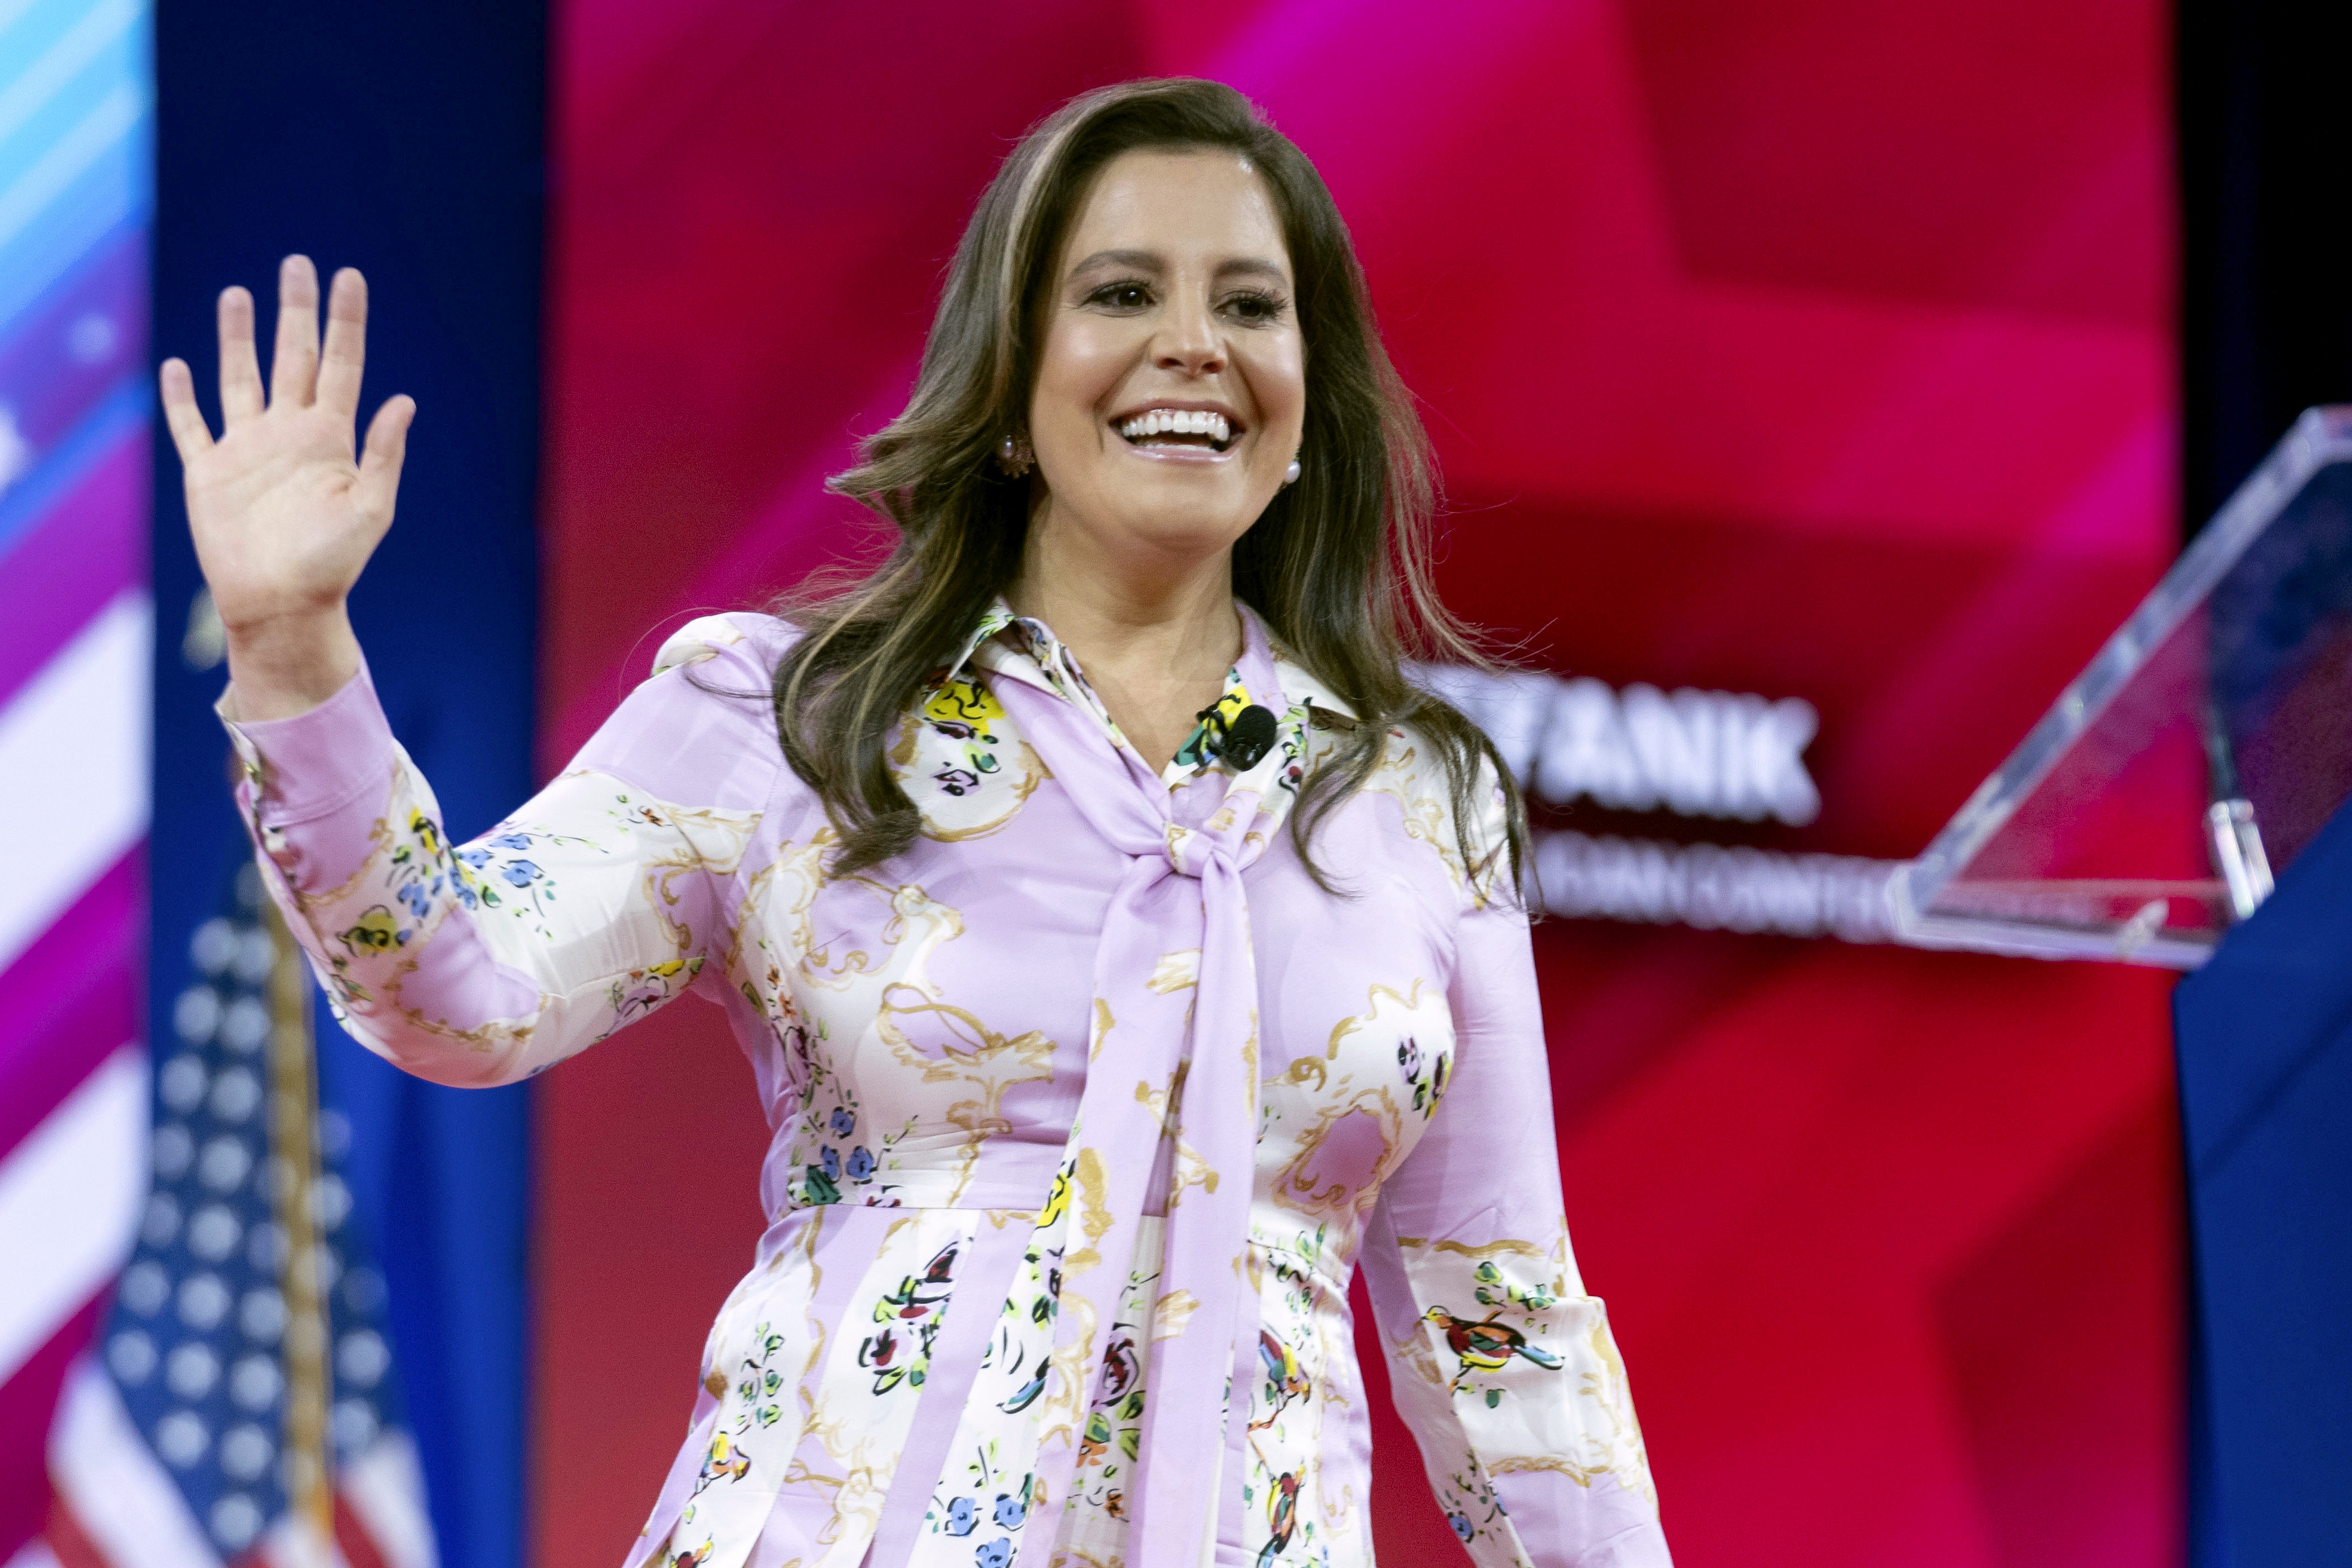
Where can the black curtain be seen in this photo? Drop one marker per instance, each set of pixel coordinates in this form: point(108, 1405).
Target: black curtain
point(2265, 160)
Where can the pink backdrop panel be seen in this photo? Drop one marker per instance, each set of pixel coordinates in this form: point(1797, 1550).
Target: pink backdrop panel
point(1813, 348)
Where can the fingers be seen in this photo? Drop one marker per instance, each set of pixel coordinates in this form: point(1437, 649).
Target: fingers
point(240, 371)
point(346, 351)
point(294, 373)
point(387, 448)
point(180, 414)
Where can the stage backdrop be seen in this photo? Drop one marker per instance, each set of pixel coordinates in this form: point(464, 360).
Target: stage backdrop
point(1794, 349)
point(402, 137)
point(77, 189)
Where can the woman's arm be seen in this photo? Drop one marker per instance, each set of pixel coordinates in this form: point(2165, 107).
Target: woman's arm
point(470, 964)
point(597, 903)
point(1499, 1362)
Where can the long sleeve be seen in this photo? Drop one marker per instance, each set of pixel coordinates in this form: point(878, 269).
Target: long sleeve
point(596, 903)
point(1500, 1364)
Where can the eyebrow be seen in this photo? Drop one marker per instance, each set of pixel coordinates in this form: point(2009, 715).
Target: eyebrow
point(1150, 261)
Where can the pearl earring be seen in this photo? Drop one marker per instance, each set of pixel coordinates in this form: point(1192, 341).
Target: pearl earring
point(1290, 474)
point(1014, 458)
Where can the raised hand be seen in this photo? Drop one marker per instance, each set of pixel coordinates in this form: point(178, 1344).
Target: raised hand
point(285, 512)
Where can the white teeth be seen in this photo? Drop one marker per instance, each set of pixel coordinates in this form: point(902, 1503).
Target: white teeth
point(1178, 422)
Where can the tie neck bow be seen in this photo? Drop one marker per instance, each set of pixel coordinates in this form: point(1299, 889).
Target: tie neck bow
point(1176, 1063)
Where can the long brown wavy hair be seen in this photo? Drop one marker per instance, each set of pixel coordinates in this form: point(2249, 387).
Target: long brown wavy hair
point(1337, 564)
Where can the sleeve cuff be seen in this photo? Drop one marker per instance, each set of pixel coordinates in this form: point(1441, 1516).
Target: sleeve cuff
point(313, 764)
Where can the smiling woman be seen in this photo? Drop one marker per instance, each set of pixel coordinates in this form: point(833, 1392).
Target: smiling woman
point(1168, 407)
point(1089, 1086)
point(1151, 251)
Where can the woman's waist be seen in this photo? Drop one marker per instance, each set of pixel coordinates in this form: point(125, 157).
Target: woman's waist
point(966, 1171)
point(1008, 1180)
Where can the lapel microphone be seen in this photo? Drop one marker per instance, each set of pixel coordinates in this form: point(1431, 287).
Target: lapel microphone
point(1248, 737)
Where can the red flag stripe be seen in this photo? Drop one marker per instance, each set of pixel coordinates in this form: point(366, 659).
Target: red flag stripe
point(68, 1540)
point(359, 1548)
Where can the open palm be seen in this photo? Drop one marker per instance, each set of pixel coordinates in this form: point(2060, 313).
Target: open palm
point(285, 512)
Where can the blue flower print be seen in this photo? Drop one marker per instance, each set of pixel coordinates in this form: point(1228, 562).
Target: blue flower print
point(521, 873)
point(1461, 1523)
point(830, 1158)
point(1011, 1512)
point(861, 1163)
point(512, 841)
point(413, 895)
point(961, 1517)
point(476, 857)
point(844, 1123)
point(993, 1554)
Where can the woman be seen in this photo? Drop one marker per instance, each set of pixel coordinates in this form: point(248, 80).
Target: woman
point(1123, 950)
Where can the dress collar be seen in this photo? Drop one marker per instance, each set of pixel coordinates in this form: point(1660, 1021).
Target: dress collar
point(1022, 647)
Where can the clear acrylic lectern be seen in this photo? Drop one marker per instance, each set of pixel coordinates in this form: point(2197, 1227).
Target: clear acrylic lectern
point(2203, 749)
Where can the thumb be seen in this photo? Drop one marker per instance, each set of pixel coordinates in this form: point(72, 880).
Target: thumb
point(387, 450)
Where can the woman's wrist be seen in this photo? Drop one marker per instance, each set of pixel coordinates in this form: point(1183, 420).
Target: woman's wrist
point(284, 665)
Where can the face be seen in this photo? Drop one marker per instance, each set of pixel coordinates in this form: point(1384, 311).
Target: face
point(1172, 383)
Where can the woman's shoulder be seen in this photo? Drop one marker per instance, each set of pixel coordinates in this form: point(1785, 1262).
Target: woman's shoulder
point(752, 640)
point(1416, 767)
point(700, 728)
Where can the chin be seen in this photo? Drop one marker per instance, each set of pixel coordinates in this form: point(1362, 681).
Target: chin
point(1171, 526)
point(1184, 501)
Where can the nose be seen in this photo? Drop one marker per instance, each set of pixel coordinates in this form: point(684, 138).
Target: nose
point(1188, 341)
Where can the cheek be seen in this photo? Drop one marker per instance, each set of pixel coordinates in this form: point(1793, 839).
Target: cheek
point(1277, 377)
point(1079, 369)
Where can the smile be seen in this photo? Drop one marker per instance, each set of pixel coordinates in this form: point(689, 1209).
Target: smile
point(1169, 431)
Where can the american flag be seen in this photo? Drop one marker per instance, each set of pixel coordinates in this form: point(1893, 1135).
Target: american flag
point(245, 1353)
point(146, 1403)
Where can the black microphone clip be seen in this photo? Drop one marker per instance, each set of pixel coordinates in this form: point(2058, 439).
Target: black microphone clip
point(1248, 737)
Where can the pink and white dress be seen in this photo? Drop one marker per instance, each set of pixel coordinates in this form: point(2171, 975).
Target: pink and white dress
point(988, 1324)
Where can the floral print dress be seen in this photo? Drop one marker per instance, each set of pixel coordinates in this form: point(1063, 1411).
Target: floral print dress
point(1085, 1109)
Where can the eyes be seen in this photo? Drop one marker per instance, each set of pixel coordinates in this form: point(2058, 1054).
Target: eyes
point(1133, 296)
point(1124, 298)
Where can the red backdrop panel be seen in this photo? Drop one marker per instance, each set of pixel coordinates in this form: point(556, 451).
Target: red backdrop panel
point(1806, 347)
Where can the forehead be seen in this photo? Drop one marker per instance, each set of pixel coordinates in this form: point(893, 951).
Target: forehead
point(1178, 202)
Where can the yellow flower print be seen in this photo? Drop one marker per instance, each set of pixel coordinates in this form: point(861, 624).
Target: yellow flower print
point(1057, 1201)
point(724, 1462)
point(965, 708)
point(1208, 736)
point(374, 931)
point(428, 834)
